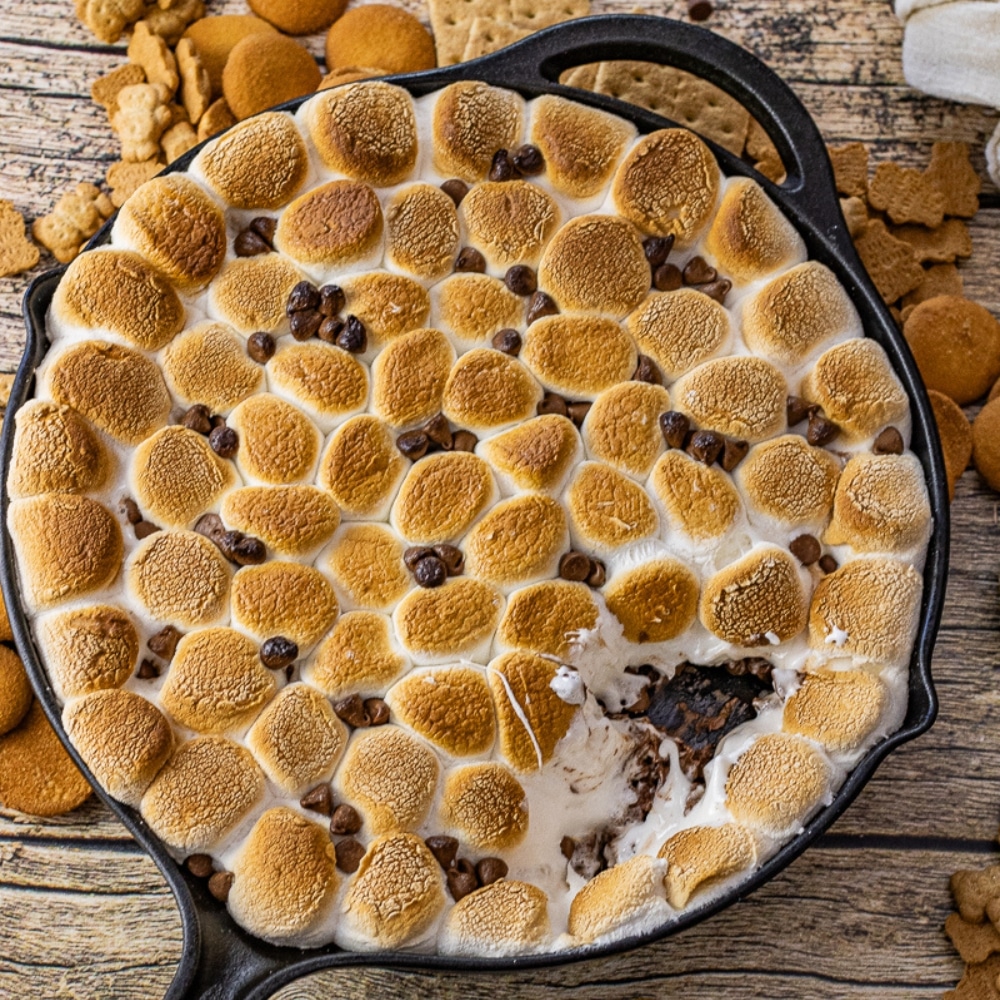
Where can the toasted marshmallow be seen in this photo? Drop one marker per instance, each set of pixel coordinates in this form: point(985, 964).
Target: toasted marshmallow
point(283, 598)
point(629, 893)
point(362, 468)
point(654, 602)
point(177, 227)
point(595, 263)
point(475, 306)
point(471, 122)
point(509, 221)
point(756, 600)
point(535, 455)
point(607, 509)
point(881, 505)
point(335, 224)
point(180, 578)
point(487, 390)
point(297, 739)
point(88, 649)
point(366, 563)
point(292, 520)
point(702, 856)
point(457, 619)
point(201, 793)
point(485, 805)
point(119, 390)
point(396, 896)
point(798, 312)
point(839, 709)
point(357, 657)
point(55, 451)
point(578, 356)
point(548, 618)
point(441, 496)
point(776, 783)
point(175, 476)
point(388, 305)
point(208, 364)
point(668, 185)
point(789, 481)
point(519, 541)
point(366, 130)
point(123, 738)
point(750, 238)
point(698, 500)
point(216, 682)
point(868, 610)
point(409, 377)
point(285, 879)
point(741, 396)
point(278, 442)
point(422, 231)
point(259, 164)
point(581, 145)
point(118, 291)
point(250, 293)
point(856, 387)
point(622, 426)
point(389, 776)
point(680, 330)
point(450, 707)
point(66, 546)
point(501, 919)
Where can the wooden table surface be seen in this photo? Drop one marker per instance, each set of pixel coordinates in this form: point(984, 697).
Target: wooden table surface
point(84, 913)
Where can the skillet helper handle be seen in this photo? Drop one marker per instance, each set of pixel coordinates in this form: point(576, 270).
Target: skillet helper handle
point(539, 59)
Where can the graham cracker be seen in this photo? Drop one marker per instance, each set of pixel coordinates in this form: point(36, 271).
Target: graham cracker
point(855, 215)
point(584, 77)
point(954, 176)
point(850, 169)
point(487, 35)
point(937, 246)
point(906, 195)
point(890, 262)
point(939, 279)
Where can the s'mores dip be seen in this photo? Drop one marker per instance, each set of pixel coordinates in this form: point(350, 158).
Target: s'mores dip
point(462, 524)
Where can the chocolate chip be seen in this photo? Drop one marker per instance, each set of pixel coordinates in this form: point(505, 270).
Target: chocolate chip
point(430, 572)
point(164, 643)
point(675, 427)
point(568, 847)
point(508, 341)
point(345, 819)
point(260, 347)
point(806, 549)
point(305, 324)
point(211, 526)
point(464, 441)
point(199, 865)
point(413, 444)
point(490, 870)
point(888, 442)
point(144, 529)
point(264, 226)
point(520, 279)
point(697, 271)
point(304, 296)
point(278, 652)
point(330, 329)
point(378, 711)
point(699, 10)
point(219, 885)
point(249, 551)
point(414, 554)
point(352, 711)
point(657, 249)
point(354, 337)
point(470, 259)
point(250, 244)
point(667, 278)
point(828, 564)
point(438, 432)
point(717, 290)
point(598, 573)
point(705, 446)
point(574, 566)
point(331, 300)
point(349, 855)
point(797, 410)
point(131, 510)
point(460, 884)
point(502, 168)
point(465, 866)
point(577, 412)
point(198, 418)
point(451, 556)
point(318, 799)
point(551, 403)
point(148, 670)
point(455, 189)
point(445, 849)
point(528, 160)
point(225, 442)
point(540, 305)
point(218, 421)
point(227, 543)
point(820, 430)
point(647, 371)
point(733, 452)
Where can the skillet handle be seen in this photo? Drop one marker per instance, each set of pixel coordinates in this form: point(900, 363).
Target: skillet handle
point(538, 60)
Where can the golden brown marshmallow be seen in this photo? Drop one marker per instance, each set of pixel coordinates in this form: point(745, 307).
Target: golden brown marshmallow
point(535, 455)
point(471, 122)
point(250, 293)
point(548, 618)
point(278, 442)
point(509, 221)
point(654, 602)
point(839, 709)
point(701, 856)
point(329, 384)
point(699, 500)
point(607, 509)
point(475, 306)
point(453, 620)
point(422, 231)
point(366, 563)
point(505, 917)
point(622, 427)
point(488, 389)
point(388, 305)
point(357, 657)
point(486, 806)
point(628, 891)
point(409, 377)
point(292, 520)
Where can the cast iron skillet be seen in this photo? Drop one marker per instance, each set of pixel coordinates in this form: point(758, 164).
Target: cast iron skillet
point(222, 962)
